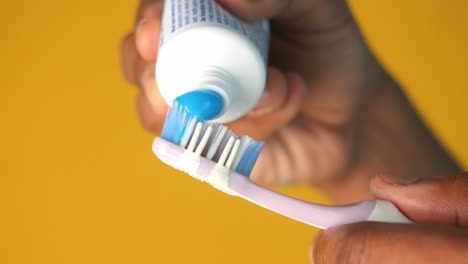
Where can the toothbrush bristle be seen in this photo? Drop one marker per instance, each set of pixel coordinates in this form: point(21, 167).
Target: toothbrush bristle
point(194, 139)
point(248, 159)
point(217, 138)
point(211, 140)
point(204, 141)
point(233, 154)
point(226, 151)
point(217, 143)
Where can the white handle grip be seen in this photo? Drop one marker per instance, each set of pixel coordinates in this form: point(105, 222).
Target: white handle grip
point(385, 211)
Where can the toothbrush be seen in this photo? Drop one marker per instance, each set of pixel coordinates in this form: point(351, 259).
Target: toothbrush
point(211, 153)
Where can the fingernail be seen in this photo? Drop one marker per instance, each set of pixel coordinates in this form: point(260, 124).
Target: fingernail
point(382, 185)
point(397, 180)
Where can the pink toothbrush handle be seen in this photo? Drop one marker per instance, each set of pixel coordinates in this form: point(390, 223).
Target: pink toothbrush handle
point(321, 216)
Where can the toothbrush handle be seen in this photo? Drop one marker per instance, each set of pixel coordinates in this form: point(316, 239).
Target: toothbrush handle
point(318, 215)
point(385, 211)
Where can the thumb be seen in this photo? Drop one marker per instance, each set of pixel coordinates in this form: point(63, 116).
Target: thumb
point(371, 242)
point(437, 201)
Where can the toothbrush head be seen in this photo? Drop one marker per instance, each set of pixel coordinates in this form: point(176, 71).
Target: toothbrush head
point(211, 153)
point(209, 139)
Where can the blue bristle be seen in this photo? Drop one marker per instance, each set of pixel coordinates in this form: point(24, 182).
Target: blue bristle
point(177, 121)
point(249, 158)
point(179, 126)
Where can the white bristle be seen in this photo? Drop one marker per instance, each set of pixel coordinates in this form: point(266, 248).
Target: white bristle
point(188, 132)
point(226, 151)
point(195, 136)
point(233, 154)
point(204, 140)
point(244, 143)
point(217, 141)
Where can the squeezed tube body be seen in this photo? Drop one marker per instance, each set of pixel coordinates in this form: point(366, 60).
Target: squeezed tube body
point(204, 47)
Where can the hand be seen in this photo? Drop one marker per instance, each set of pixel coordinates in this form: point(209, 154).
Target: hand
point(330, 114)
point(440, 207)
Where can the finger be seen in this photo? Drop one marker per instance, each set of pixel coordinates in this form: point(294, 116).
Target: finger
point(383, 243)
point(147, 30)
point(267, 170)
point(315, 15)
point(132, 63)
point(254, 10)
point(150, 104)
point(145, 7)
point(274, 95)
point(443, 201)
point(273, 166)
point(260, 126)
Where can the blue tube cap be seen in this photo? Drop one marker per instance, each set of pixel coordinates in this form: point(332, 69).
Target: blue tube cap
point(195, 106)
point(202, 104)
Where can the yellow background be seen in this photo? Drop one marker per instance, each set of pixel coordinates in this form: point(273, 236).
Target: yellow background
point(78, 181)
